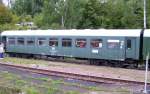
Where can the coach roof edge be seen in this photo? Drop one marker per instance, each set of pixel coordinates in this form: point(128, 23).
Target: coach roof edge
point(74, 32)
point(147, 33)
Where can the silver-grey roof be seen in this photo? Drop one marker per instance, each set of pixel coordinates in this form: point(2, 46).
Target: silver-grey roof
point(147, 33)
point(74, 32)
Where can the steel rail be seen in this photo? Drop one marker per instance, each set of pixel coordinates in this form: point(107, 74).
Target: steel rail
point(73, 75)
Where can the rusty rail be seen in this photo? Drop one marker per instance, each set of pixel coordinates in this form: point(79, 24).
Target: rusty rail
point(73, 76)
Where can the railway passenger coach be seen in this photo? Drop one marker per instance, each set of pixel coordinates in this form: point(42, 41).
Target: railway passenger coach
point(94, 45)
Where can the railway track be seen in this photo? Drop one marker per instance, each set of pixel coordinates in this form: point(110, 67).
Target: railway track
point(73, 76)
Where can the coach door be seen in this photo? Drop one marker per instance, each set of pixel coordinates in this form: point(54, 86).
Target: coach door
point(3, 40)
point(130, 48)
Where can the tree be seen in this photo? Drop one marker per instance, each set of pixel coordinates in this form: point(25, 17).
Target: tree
point(61, 14)
point(68, 14)
point(50, 13)
point(5, 15)
point(27, 7)
point(133, 15)
point(112, 14)
point(5, 18)
point(73, 12)
point(37, 6)
point(93, 15)
point(148, 14)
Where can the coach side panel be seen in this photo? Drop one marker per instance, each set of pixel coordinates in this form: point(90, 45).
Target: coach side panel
point(146, 47)
point(111, 48)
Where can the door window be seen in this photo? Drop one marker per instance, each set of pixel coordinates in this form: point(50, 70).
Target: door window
point(129, 45)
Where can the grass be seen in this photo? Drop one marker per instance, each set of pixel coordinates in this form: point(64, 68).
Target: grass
point(22, 61)
point(54, 84)
point(72, 92)
point(52, 90)
point(48, 86)
point(116, 72)
point(8, 90)
point(20, 82)
point(42, 79)
point(31, 90)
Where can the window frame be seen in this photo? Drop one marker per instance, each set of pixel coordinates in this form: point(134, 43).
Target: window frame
point(100, 41)
point(41, 40)
point(20, 39)
point(30, 39)
point(66, 42)
point(113, 44)
point(78, 40)
point(55, 41)
point(11, 38)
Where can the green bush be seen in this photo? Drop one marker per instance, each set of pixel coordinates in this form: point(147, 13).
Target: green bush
point(72, 92)
point(31, 90)
point(6, 90)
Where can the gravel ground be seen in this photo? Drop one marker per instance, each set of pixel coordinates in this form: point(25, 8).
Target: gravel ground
point(103, 88)
point(27, 76)
point(100, 71)
point(96, 88)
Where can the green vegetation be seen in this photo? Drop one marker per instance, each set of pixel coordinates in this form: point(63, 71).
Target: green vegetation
point(23, 61)
point(72, 92)
point(47, 85)
point(66, 14)
point(31, 91)
point(113, 14)
point(7, 90)
point(43, 85)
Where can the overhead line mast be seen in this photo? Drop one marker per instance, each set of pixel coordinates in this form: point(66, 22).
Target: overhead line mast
point(145, 14)
point(147, 58)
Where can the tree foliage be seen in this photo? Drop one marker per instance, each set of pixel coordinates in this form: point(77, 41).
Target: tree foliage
point(27, 7)
point(148, 13)
point(112, 14)
point(60, 14)
point(5, 18)
point(68, 14)
point(5, 15)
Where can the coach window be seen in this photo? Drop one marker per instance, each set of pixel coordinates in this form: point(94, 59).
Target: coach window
point(96, 43)
point(20, 41)
point(66, 42)
point(80, 43)
point(128, 44)
point(11, 41)
point(30, 41)
point(41, 41)
point(113, 44)
point(53, 42)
